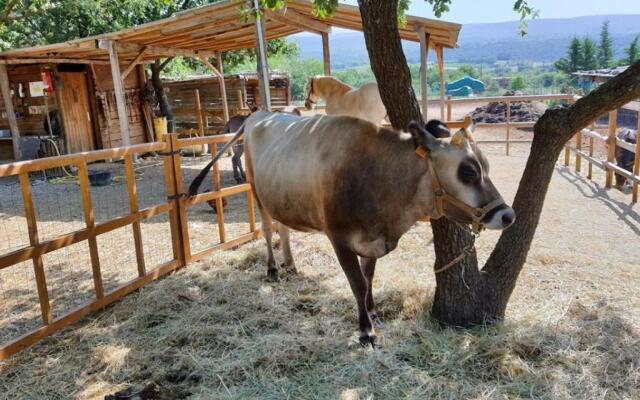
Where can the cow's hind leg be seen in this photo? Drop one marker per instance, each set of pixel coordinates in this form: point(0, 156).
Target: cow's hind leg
point(267, 231)
point(349, 263)
point(368, 267)
point(283, 231)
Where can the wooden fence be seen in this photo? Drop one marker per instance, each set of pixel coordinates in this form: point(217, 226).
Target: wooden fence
point(175, 206)
point(609, 164)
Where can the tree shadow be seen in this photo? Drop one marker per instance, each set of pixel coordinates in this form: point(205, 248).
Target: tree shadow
point(624, 211)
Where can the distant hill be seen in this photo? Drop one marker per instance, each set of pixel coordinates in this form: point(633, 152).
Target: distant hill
point(485, 43)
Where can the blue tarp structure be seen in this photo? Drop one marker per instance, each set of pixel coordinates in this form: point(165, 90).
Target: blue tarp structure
point(465, 87)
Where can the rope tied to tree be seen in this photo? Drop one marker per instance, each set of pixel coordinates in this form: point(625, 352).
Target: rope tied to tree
point(467, 251)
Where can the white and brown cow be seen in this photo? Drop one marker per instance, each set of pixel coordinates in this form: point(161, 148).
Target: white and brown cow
point(363, 186)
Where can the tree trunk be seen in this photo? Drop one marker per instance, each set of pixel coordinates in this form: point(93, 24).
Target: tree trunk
point(161, 96)
point(466, 296)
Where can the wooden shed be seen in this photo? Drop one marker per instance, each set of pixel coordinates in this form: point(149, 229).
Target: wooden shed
point(108, 61)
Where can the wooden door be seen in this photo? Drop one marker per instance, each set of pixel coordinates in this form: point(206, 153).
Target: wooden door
point(74, 107)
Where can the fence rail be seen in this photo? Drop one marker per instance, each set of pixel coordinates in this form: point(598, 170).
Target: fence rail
point(175, 206)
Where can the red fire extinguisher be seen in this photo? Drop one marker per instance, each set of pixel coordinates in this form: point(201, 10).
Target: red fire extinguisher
point(47, 80)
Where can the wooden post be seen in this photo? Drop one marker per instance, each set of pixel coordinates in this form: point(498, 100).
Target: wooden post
point(38, 265)
point(636, 166)
point(440, 56)
point(508, 143)
point(217, 185)
point(85, 194)
point(424, 71)
point(198, 111)
point(11, 115)
point(179, 190)
point(579, 148)
point(240, 100)
point(261, 52)
point(449, 109)
point(590, 166)
point(326, 55)
point(133, 207)
point(223, 88)
point(172, 194)
point(118, 88)
point(611, 155)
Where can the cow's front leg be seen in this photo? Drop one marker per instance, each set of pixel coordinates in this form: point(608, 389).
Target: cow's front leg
point(368, 267)
point(349, 263)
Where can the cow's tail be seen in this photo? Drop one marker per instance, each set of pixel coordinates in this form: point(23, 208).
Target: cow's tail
point(195, 185)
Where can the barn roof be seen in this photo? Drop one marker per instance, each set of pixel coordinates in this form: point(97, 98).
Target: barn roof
point(221, 26)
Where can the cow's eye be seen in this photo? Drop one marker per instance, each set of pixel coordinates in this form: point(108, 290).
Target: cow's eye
point(467, 173)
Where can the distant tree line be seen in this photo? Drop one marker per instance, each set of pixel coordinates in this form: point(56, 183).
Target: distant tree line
point(586, 54)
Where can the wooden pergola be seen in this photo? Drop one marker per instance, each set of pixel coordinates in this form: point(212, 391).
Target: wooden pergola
point(208, 31)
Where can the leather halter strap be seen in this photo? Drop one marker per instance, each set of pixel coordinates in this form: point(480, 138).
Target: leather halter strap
point(477, 214)
point(310, 92)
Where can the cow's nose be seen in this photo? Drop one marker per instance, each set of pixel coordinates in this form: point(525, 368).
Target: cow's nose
point(508, 217)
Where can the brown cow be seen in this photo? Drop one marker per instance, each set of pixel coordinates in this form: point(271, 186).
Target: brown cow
point(364, 187)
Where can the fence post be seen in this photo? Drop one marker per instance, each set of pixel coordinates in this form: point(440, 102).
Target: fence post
point(217, 185)
point(636, 166)
point(508, 125)
point(179, 243)
point(198, 111)
point(449, 109)
point(85, 193)
point(611, 155)
point(38, 265)
point(133, 208)
point(579, 148)
point(590, 166)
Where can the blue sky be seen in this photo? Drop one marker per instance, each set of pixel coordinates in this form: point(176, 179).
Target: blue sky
point(473, 11)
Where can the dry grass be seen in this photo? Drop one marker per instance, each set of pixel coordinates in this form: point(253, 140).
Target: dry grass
point(218, 329)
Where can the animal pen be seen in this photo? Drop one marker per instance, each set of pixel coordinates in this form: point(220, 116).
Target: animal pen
point(73, 248)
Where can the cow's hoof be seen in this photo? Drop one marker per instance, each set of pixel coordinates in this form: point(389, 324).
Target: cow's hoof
point(377, 321)
point(272, 275)
point(291, 268)
point(368, 339)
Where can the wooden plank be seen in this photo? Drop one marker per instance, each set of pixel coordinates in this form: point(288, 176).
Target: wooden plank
point(16, 168)
point(440, 56)
point(507, 145)
point(11, 115)
point(298, 20)
point(49, 60)
point(247, 237)
point(326, 54)
point(223, 87)
point(218, 194)
point(156, 51)
point(133, 63)
point(118, 88)
point(38, 265)
point(217, 186)
point(85, 194)
point(179, 191)
point(578, 147)
point(75, 107)
point(133, 207)
point(636, 165)
point(424, 72)
point(34, 336)
point(611, 153)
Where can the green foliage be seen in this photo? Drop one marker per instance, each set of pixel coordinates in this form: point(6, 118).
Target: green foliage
point(518, 83)
point(605, 47)
point(632, 52)
point(589, 54)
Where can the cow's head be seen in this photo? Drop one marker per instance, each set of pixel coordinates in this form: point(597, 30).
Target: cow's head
point(311, 98)
point(463, 174)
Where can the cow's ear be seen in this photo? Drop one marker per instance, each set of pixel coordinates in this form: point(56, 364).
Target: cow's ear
point(421, 137)
point(438, 129)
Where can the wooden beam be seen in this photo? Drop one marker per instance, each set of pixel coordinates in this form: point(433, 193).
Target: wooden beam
point(261, 52)
point(442, 83)
point(118, 89)
point(133, 64)
point(326, 54)
point(15, 61)
point(223, 87)
point(11, 115)
point(290, 17)
point(210, 66)
point(151, 50)
point(424, 71)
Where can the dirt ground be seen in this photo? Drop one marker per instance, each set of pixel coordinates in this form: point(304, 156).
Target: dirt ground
point(218, 329)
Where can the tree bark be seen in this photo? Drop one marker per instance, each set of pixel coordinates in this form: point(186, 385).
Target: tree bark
point(161, 96)
point(466, 296)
